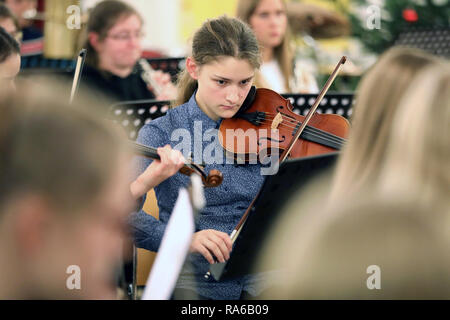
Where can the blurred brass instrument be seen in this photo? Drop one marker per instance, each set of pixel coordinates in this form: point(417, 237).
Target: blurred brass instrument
point(147, 74)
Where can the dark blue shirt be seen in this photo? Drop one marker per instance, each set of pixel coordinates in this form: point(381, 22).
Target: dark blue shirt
point(188, 129)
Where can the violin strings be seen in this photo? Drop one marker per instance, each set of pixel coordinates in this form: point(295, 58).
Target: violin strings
point(299, 122)
point(311, 130)
point(332, 136)
point(321, 136)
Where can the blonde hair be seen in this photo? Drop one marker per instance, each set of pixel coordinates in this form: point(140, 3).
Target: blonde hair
point(418, 151)
point(217, 38)
point(378, 97)
point(331, 255)
point(283, 52)
point(62, 152)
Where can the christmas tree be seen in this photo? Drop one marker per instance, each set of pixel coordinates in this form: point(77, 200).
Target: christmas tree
point(377, 24)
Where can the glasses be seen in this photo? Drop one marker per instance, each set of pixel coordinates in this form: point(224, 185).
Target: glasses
point(126, 36)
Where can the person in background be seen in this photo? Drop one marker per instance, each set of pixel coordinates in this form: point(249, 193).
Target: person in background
point(269, 21)
point(32, 37)
point(9, 61)
point(113, 41)
point(8, 21)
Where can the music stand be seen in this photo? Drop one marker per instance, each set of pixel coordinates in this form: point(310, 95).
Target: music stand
point(332, 103)
point(292, 176)
point(172, 65)
point(435, 40)
point(133, 115)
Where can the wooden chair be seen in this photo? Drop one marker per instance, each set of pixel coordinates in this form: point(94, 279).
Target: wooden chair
point(145, 258)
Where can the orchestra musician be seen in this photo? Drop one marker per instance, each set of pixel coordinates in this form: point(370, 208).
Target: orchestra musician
point(72, 213)
point(32, 37)
point(113, 42)
point(268, 19)
point(64, 198)
point(9, 61)
point(215, 83)
point(8, 21)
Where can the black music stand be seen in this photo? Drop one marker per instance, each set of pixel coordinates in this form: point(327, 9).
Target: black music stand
point(332, 103)
point(292, 176)
point(133, 115)
point(172, 66)
point(434, 40)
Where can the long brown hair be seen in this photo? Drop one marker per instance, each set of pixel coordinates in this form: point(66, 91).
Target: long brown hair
point(101, 19)
point(283, 52)
point(220, 37)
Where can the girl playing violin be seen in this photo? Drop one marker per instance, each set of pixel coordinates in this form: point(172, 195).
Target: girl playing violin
point(217, 79)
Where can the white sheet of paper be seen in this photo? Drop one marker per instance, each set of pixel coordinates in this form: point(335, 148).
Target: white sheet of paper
point(172, 251)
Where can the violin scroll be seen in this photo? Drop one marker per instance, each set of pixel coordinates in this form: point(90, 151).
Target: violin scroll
point(214, 178)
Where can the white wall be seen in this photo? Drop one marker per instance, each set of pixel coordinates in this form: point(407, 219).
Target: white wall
point(161, 24)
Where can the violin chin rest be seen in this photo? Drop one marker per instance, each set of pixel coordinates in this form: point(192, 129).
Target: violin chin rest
point(247, 102)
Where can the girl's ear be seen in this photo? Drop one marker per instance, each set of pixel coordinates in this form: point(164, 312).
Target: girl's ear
point(192, 68)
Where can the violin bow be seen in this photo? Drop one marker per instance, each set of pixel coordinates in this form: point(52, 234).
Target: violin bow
point(77, 75)
point(313, 109)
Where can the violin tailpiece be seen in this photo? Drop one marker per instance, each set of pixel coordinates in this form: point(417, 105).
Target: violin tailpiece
point(276, 121)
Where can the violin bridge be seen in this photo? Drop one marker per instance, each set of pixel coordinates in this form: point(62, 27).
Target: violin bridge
point(276, 121)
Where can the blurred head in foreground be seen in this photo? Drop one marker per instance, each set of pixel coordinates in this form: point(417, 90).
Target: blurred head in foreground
point(389, 212)
point(370, 248)
point(402, 108)
point(64, 196)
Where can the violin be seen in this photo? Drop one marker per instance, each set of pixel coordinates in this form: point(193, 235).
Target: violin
point(213, 179)
point(269, 123)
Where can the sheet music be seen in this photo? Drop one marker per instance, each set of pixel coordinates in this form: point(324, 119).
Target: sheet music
point(172, 252)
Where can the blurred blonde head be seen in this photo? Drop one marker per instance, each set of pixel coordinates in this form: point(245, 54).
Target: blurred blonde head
point(347, 251)
point(378, 97)
point(64, 194)
point(418, 151)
